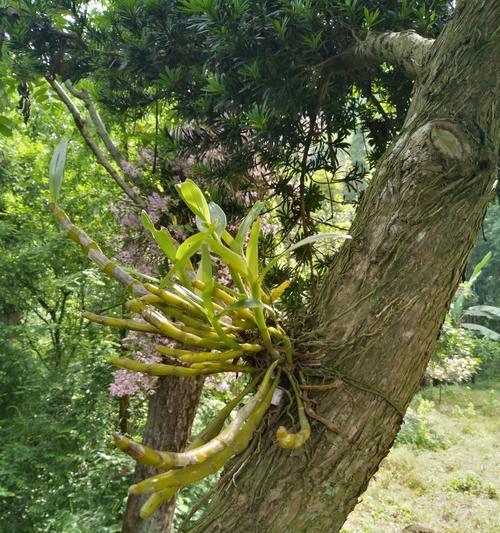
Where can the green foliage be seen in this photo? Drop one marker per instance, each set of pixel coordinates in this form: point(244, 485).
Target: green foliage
point(471, 483)
point(240, 89)
point(464, 292)
point(243, 95)
point(487, 288)
point(488, 352)
point(58, 474)
point(56, 169)
point(453, 360)
point(417, 429)
point(211, 316)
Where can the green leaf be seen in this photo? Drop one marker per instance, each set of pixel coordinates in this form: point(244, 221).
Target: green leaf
point(190, 296)
point(195, 199)
point(217, 218)
point(206, 277)
point(230, 258)
point(252, 253)
point(190, 246)
point(303, 242)
point(245, 226)
point(183, 255)
point(477, 269)
point(489, 311)
point(245, 303)
point(206, 266)
point(56, 169)
point(483, 330)
point(162, 237)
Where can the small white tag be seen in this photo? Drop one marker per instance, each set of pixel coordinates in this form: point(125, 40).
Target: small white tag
point(277, 396)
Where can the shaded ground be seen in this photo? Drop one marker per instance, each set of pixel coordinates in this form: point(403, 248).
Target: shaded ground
point(444, 472)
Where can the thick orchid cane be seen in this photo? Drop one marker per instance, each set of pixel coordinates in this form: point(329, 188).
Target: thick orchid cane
point(216, 330)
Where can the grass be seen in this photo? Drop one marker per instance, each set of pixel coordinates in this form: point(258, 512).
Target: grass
point(443, 471)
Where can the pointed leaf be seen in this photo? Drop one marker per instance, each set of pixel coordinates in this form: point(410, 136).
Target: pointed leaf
point(206, 277)
point(245, 226)
point(217, 220)
point(190, 246)
point(477, 269)
point(252, 252)
point(483, 330)
point(230, 258)
point(218, 216)
point(489, 311)
point(56, 169)
point(195, 199)
point(183, 255)
point(162, 237)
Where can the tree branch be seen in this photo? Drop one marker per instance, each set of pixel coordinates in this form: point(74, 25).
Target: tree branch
point(130, 170)
point(405, 50)
point(81, 124)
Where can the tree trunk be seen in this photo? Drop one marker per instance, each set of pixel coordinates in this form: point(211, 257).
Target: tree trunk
point(387, 293)
point(168, 427)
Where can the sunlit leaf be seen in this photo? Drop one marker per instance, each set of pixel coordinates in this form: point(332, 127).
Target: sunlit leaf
point(56, 169)
point(206, 276)
point(194, 199)
point(190, 246)
point(482, 330)
point(183, 255)
point(162, 237)
point(217, 218)
point(245, 226)
point(252, 252)
point(230, 258)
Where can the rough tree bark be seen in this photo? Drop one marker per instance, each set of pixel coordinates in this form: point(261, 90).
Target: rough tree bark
point(387, 293)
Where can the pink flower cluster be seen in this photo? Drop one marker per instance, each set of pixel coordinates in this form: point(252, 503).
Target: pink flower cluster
point(129, 383)
point(158, 205)
point(268, 227)
point(139, 250)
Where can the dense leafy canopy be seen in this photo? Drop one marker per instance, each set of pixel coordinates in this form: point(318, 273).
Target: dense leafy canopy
point(245, 90)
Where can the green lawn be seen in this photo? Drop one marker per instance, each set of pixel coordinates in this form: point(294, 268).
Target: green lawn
point(444, 471)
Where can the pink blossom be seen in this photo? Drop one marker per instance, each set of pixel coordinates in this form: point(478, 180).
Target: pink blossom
point(158, 205)
point(129, 383)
